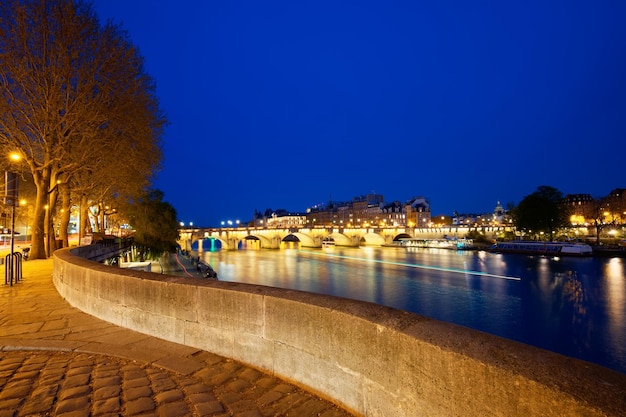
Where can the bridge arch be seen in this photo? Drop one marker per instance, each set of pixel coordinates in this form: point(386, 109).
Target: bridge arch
point(342, 240)
point(265, 242)
point(207, 244)
point(402, 236)
point(304, 239)
point(373, 239)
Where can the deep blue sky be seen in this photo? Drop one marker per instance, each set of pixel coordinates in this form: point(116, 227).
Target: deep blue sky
point(287, 104)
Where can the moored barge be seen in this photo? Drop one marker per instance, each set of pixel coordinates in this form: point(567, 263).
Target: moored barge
point(543, 248)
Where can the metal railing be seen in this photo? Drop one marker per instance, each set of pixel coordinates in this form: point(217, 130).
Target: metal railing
point(13, 268)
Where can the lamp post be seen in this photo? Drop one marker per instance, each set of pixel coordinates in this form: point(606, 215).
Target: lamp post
point(11, 197)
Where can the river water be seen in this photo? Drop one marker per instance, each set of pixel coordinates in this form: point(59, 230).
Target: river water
point(573, 306)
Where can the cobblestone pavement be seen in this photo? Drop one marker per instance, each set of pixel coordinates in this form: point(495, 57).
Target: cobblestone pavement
point(58, 361)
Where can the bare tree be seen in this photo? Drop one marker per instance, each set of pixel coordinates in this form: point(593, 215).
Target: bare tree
point(70, 90)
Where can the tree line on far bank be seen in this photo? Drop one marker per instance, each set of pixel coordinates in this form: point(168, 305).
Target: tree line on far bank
point(81, 117)
point(546, 211)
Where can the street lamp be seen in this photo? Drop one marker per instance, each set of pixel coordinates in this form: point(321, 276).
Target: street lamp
point(11, 198)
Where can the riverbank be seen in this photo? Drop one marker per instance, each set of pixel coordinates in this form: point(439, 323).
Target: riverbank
point(183, 264)
point(609, 251)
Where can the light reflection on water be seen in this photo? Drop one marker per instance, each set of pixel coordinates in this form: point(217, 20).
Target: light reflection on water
point(574, 306)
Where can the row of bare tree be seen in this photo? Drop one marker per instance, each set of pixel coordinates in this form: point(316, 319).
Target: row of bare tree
point(78, 108)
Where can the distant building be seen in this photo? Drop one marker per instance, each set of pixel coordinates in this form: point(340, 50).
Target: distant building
point(499, 216)
point(417, 211)
point(616, 204)
point(367, 210)
point(582, 208)
point(393, 214)
point(577, 203)
point(284, 219)
point(370, 210)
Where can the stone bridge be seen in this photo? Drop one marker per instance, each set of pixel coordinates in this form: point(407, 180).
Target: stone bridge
point(204, 239)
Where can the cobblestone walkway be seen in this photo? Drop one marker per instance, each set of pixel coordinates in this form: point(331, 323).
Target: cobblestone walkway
point(58, 361)
point(48, 383)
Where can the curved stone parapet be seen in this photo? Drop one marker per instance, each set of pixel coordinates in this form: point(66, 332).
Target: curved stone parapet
point(371, 360)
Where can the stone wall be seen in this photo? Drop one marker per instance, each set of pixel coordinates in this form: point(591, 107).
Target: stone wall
point(371, 360)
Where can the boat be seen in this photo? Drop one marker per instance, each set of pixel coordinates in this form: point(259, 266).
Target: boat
point(448, 243)
point(543, 248)
point(328, 243)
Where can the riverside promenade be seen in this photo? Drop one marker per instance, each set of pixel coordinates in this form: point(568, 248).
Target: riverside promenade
point(56, 360)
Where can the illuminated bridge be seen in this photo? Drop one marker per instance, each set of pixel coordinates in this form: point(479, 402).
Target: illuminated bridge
point(207, 239)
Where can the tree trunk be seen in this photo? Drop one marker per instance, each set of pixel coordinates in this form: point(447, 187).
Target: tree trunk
point(85, 225)
point(50, 232)
point(66, 205)
point(38, 249)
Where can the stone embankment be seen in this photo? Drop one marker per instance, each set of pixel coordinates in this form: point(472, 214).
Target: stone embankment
point(372, 360)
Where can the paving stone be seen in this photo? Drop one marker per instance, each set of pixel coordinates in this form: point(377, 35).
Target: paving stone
point(107, 392)
point(76, 380)
point(270, 397)
point(42, 399)
point(16, 390)
point(175, 409)
point(110, 405)
point(201, 397)
point(140, 405)
point(239, 385)
point(10, 365)
point(79, 370)
point(136, 382)
point(11, 403)
point(250, 374)
point(208, 408)
point(31, 367)
point(48, 376)
point(29, 375)
point(169, 396)
point(133, 374)
point(266, 382)
point(163, 384)
point(115, 380)
point(285, 388)
point(75, 392)
point(135, 393)
point(80, 403)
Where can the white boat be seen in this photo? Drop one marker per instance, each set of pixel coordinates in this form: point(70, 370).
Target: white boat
point(543, 248)
point(458, 244)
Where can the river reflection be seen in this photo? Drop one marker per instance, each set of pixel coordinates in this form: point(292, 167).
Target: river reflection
point(574, 306)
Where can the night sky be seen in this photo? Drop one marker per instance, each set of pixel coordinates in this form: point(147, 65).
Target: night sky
point(289, 104)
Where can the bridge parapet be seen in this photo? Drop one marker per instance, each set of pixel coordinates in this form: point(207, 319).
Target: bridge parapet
point(271, 238)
